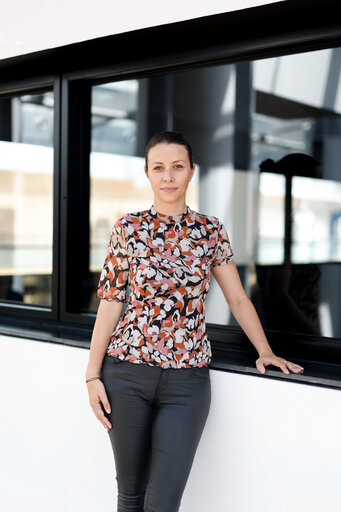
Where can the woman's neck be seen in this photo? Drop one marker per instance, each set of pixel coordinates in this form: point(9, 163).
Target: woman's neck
point(171, 209)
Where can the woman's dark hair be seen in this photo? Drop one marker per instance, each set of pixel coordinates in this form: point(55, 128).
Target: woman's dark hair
point(169, 138)
point(294, 164)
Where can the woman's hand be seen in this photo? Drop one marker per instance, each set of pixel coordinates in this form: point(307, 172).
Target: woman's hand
point(286, 366)
point(97, 394)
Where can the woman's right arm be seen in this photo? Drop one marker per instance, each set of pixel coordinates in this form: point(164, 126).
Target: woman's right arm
point(108, 315)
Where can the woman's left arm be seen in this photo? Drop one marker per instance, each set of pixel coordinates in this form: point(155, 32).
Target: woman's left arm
point(244, 312)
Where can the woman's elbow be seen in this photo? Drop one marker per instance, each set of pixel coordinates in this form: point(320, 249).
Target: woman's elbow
point(238, 301)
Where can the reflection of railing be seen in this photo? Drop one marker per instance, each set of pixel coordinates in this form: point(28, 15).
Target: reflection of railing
point(316, 251)
point(270, 251)
point(25, 259)
point(37, 259)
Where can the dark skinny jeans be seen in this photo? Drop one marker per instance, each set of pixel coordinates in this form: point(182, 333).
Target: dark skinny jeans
point(157, 416)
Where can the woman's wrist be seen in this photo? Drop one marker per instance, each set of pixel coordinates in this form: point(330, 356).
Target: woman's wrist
point(92, 372)
point(92, 378)
point(265, 352)
point(263, 348)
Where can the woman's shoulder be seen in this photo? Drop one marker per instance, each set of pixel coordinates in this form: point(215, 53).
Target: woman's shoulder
point(131, 217)
point(209, 220)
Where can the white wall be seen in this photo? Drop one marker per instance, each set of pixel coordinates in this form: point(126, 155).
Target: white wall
point(36, 25)
point(268, 446)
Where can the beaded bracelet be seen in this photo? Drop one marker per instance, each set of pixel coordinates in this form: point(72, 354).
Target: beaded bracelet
point(92, 378)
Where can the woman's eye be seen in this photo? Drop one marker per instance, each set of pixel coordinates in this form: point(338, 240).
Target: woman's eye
point(158, 168)
point(179, 166)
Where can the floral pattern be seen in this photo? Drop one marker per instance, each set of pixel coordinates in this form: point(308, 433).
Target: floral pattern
point(166, 261)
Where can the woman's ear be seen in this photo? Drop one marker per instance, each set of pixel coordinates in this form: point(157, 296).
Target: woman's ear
point(146, 171)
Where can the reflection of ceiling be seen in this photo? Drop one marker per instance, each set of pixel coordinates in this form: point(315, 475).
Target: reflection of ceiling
point(274, 106)
point(310, 78)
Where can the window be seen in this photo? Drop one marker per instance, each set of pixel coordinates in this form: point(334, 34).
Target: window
point(26, 191)
point(296, 135)
point(246, 120)
point(243, 120)
point(122, 116)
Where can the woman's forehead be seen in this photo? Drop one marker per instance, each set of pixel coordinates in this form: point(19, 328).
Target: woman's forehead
point(163, 151)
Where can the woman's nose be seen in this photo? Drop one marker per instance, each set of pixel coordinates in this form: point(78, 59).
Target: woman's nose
point(168, 174)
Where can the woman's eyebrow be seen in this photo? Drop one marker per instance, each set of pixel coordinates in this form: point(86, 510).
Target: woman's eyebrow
point(174, 161)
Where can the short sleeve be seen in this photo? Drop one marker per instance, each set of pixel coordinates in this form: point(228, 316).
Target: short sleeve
point(223, 252)
point(113, 281)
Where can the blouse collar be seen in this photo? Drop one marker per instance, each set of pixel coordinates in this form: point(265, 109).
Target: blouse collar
point(170, 219)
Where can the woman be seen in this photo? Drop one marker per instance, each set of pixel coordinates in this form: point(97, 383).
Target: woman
point(153, 378)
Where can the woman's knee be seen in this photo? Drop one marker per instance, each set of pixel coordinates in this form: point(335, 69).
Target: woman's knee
point(127, 502)
point(162, 501)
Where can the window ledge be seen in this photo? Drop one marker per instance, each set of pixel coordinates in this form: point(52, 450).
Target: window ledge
point(235, 361)
point(316, 374)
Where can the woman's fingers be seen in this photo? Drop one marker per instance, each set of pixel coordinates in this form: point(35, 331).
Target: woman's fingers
point(296, 368)
point(288, 365)
point(283, 364)
point(260, 365)
point(97, 396)
point(97, 408)
point(104, 399)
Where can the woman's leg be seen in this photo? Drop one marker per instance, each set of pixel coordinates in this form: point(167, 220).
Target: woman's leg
point(130, 389)
point(183, 402)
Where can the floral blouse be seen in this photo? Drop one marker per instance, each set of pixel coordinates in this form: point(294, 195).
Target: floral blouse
point(166, 262)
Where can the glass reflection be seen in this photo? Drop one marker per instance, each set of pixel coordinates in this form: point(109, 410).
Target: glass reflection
point(316, 211)
point(118, 185)
point(26, 191)
point(296, 132)
point(289, 291)
point(284, 219)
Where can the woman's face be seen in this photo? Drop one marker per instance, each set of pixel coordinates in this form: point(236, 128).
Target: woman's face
point(169, 172)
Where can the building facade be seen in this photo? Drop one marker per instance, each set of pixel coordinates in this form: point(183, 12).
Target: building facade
point(256, 88)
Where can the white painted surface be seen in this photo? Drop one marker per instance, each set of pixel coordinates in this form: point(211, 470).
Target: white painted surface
point(27, 27)
point(268, 446)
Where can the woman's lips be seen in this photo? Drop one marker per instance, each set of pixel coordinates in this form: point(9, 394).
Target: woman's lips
point(169, 189)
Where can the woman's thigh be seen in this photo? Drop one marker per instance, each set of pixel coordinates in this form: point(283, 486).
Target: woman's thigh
point(129, 394)
point(183, 406)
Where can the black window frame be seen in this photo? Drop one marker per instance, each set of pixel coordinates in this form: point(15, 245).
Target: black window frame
point(72, 70)
point(12, 312)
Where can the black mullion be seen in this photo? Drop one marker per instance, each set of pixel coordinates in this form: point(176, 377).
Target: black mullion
point(56, 200)
point(242, 143)
point(75, 199)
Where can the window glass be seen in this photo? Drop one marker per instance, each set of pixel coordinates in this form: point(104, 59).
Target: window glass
point(26, 191)
point(121, 117)
point(296, 137)
point(266, 138)
point(316, 212)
